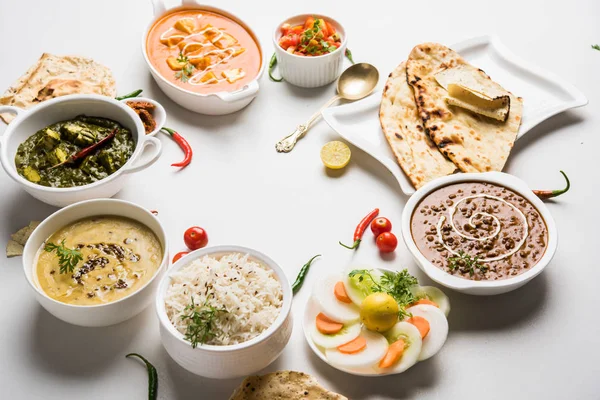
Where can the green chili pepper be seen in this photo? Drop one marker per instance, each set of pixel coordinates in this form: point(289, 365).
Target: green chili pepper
point(152, 376)
point(302, 274)
point(272, 65)
point(348, 54)
point(135, 93)
point(547, 194)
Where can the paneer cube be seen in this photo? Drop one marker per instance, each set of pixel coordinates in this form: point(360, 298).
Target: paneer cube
point(49, 140)
point(209, 77)
point(172, 40)
point(224, 40)
point(233, 74)
point(186, 25)
point(31, 174)
point(175, 64)
point(201, 62)
point(238, 52)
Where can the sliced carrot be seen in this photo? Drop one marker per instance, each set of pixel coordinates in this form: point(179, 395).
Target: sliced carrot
point(326, 325)
point(353, 346)
point(421, 323)
point(340, 292)
point(425, 301)
point(394, 353)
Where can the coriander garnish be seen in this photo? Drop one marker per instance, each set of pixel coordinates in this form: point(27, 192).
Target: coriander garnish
point(188, 68)
point(465, 262)
point(200, 322)
point(595, 47)
point(67, 258)
point(396, 284)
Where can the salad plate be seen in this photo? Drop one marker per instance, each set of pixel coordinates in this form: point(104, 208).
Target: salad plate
point(544, 95)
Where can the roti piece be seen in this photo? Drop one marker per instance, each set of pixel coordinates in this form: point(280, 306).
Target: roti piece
point(53, 76)
point(417, 155)
point(473, 142)
point(466, 91)
point(289, 385)
point(13, 249)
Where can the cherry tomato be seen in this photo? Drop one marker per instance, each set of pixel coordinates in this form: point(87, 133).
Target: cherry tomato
point(179, 255)
point(387, 242)
point(195, 238)
point(380, 225)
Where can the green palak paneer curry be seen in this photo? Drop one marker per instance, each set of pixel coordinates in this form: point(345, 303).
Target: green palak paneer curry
point(59, 155)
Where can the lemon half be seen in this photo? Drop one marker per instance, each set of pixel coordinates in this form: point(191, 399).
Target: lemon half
point(335, 155)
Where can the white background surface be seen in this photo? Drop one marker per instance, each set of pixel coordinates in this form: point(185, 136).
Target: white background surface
point(540, 342)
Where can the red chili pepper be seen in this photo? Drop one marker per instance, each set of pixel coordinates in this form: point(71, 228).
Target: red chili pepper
point(547, 194)
point(88, 150)
point(185, 146)
point(360, 229)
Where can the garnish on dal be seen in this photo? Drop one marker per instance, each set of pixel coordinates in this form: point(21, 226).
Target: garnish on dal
point(97, 260)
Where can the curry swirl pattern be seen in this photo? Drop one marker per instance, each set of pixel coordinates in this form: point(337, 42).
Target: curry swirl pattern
point(479, 231)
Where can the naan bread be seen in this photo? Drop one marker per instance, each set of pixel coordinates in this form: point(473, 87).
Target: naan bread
point(288, 385)
point(473, 142)
point(416, 153)
point(53, 76)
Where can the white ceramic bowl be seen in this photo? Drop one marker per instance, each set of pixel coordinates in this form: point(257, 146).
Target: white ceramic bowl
point(159, 113)
point(466, 285)
point(223, 362)
point(49, 112)
point(102, 314)
point(310, 72)
point(214, 103)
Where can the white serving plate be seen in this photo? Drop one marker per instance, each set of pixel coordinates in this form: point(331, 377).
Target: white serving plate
point(544, 95)
point(311, 310)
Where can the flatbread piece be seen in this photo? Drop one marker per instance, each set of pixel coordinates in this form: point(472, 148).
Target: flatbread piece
point(288, 385)
point(53, 76)
point(473, 142)
point(417, 155)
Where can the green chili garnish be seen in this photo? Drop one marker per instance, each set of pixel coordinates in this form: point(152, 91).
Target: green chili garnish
point(302, 274)
point(547, 194)
point(272, 65)
point(348, 54)
point(135, 93)
point(152, 376)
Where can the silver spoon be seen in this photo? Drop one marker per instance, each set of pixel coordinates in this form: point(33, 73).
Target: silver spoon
point(355, 83)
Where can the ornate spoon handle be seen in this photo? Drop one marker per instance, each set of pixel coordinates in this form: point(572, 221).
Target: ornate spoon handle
point(286, 144)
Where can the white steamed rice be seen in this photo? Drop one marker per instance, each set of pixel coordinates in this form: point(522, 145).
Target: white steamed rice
point(248, 290)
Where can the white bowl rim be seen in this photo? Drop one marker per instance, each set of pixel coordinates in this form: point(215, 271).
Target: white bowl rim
point(110, 202)
point(497, 178)
point(277, 35)
point(24, 114)
point(215, 10)
point(194, 255)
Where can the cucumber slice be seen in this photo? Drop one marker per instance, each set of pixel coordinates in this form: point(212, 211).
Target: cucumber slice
point(434, 294)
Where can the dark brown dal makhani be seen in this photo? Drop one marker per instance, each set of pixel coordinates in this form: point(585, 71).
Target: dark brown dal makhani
point(479, 231)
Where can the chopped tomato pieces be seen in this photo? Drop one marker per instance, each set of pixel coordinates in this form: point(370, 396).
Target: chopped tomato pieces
point(316, 37)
